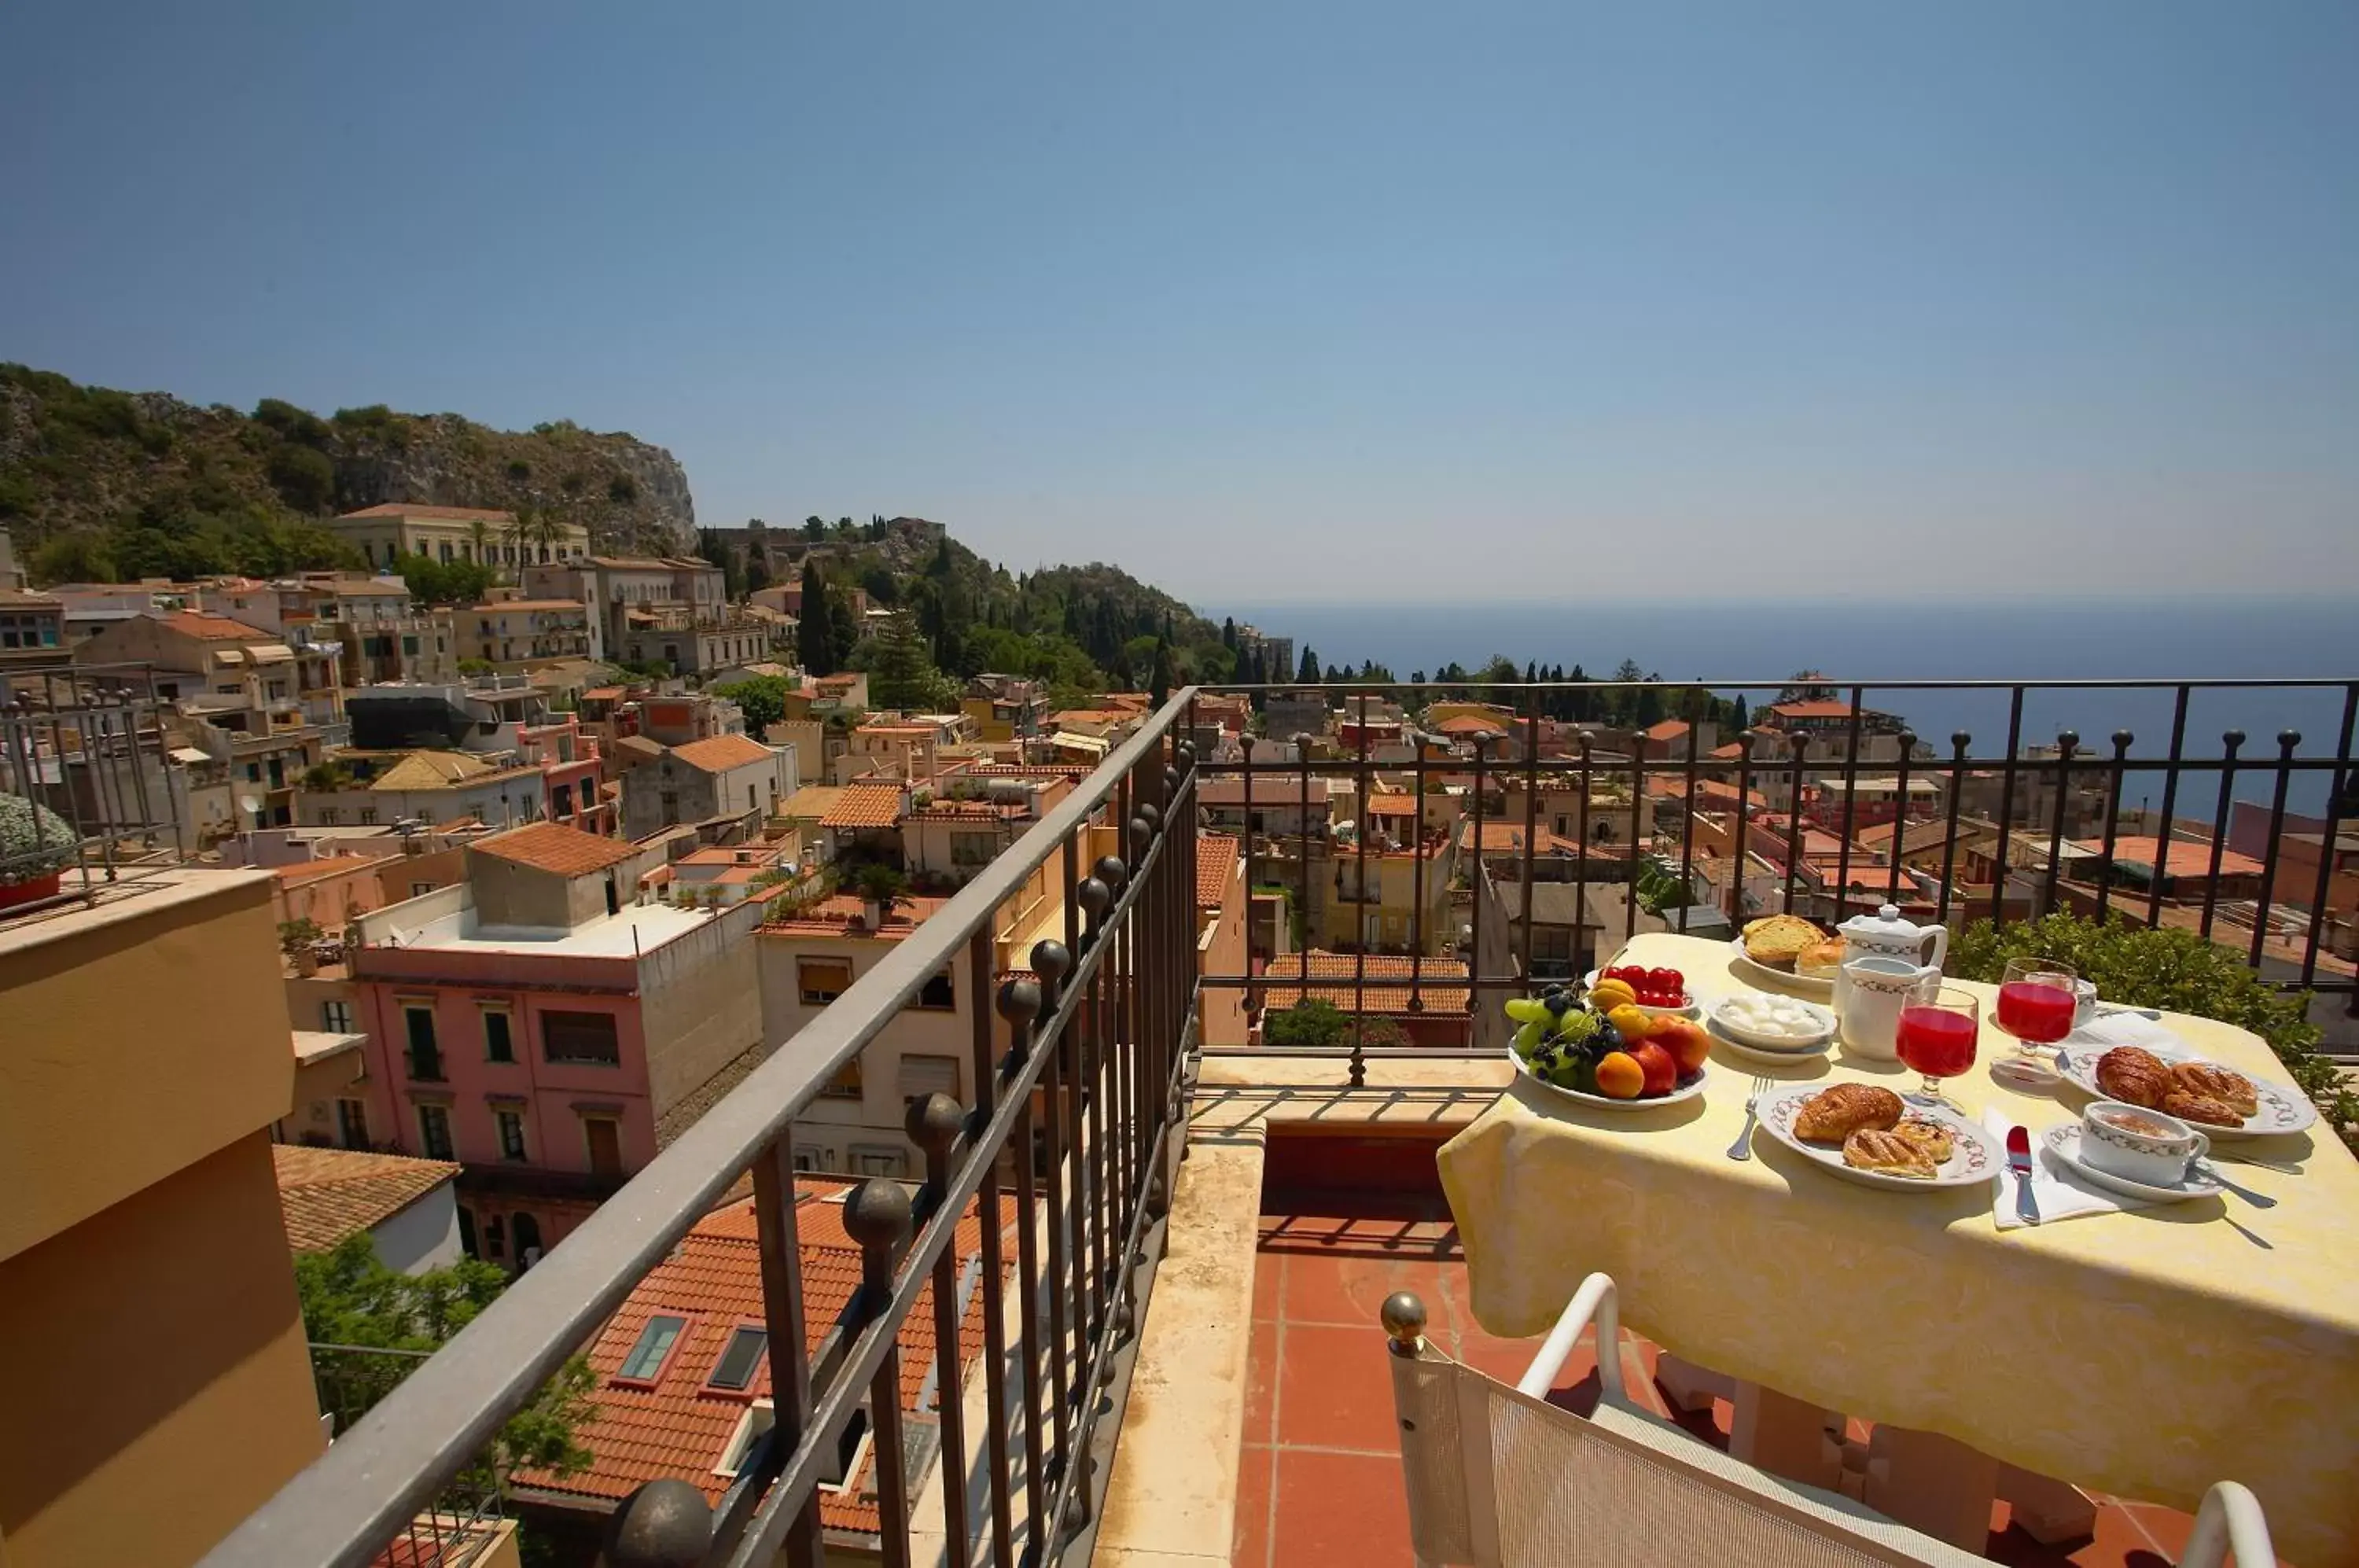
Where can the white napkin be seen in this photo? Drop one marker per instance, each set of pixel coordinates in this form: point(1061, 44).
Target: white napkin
point(2060, 1193)
point(2110, 1030)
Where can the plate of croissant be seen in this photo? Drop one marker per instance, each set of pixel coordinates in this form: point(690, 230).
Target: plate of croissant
point(2222, 1101)
point(1867, 1134)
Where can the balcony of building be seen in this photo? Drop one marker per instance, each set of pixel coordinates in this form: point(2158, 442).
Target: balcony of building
point(1184, 1365)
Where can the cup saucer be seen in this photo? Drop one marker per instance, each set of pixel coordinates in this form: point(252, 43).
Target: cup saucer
point(2064, 1143)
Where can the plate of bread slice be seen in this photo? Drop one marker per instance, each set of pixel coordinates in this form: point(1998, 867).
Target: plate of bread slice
point(2222, 1101)
point(1787, 952)
point(1867, 1134)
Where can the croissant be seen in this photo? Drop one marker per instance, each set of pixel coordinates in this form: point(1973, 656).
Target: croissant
point(2210, 1081)
point(1833, 1115)
point(1890, 1153)
point(2133, 1076)
point(2203, 1108)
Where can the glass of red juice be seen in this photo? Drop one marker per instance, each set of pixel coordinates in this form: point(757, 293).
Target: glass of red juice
point(2037, 999)
point(1939, 1024)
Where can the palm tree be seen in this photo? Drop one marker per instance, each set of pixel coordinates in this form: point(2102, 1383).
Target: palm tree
point(534, 526)
point(479, 538)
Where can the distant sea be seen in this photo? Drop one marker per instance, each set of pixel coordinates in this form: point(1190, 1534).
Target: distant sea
point(1701, 643)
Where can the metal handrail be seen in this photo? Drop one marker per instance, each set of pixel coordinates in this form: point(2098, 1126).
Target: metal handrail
point(342, 1508)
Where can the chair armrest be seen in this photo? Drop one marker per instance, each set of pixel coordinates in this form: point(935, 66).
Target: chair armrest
point(2230, 1517)
point(1593, 1299)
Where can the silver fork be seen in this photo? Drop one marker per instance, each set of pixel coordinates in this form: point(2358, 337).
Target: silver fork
point(1742, 1147)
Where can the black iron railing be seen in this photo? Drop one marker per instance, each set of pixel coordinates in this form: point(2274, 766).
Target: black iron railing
point(1772, 818)
point(1079, 1079)
point(89, 745)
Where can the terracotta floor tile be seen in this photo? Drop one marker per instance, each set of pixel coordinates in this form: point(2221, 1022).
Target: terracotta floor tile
point(1334, 1390)
point(1261, 1385)
point(1340, 1509)
point(1250, 1547)
point(1347, 1291)
point(1268, 1269)
point(2167, 1526)
point(1506, 1359)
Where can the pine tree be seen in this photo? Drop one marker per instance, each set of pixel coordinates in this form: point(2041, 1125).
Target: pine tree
point(900, 675)
point(1229, 633)
point(1307, 671)
point(1158, 685)
point(815, 638)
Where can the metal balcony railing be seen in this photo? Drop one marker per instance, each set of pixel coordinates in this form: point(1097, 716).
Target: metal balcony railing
point(1080, 1070)
point(2053, 835)
point(89, 745)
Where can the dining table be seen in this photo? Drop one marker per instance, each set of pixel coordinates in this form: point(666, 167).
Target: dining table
point(2145, 1352)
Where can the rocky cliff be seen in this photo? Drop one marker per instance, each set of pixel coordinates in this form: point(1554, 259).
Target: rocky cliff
point(77, 458)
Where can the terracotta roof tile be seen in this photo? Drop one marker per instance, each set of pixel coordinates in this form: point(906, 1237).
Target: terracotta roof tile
point(420, 509)
point(1669, 729)
point(208, 627)
point(1336, 977)
point(713, 1278)
point(1216, 868)
point(1507, 836)
point(327, 1194)
point(865, 806)
point(718, 754)
point(556, 848)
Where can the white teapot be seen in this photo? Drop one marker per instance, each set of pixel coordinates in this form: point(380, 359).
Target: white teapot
point(1884, 934)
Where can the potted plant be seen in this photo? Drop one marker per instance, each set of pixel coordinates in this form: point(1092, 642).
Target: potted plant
point(881, 890)
point(297, 939)
point(36, 846)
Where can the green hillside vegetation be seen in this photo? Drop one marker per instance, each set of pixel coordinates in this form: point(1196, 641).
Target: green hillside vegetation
point(104, 485)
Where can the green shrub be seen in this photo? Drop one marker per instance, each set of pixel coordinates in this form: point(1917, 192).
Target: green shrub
point(2175, 970)
point(303, 477)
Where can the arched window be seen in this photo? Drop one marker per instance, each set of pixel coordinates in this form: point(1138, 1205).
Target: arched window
point(527, 1241)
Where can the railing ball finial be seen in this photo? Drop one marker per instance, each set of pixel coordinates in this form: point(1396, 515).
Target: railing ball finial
point(1186, 752)
point(2288, 740)
point(2122, 739)
point(933, 1122)
point(2068, 741)
point(876, 1215)
point(1246, 742)
point(1403, 1315)
point(663, 1524)
point(1960, 740)
point(2232, 739)
point(1051, 961)
point(1019, 1000)
point(1907, 739)
point(1110, 870)
point(1151, 814)
point(1094, 898)
point(1142, 836)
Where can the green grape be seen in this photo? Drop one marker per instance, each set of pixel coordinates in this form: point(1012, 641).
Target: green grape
point(1527, 1040)
point(1576, 1026)
point(1527, 1010)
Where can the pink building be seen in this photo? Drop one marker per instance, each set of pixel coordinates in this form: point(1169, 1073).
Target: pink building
point(550, 1026)
point(569, 758)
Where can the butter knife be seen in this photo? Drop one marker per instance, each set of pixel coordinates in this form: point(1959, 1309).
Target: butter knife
point(2019, 1160)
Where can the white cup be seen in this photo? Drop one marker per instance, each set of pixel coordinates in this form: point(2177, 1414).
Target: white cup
point(2084, 1002)
point(1869, 996)
point(2139, 1145)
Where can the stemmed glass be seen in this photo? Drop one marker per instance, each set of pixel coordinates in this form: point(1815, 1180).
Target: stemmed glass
point(1939, 1024)
point(2037, 1000)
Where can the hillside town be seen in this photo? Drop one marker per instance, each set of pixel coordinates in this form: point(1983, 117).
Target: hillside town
point(462, 914)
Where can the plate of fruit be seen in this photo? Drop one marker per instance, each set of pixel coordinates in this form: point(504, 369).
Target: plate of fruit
point(1622, 1057)
point(1656, 991)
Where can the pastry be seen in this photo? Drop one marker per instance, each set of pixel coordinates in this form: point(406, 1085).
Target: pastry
point(2232, 1090)
point(2202, 1109)
point(2133, 1076)
point(1928, 1135)
point(1831, 1116)
point(1890, 1153)
point(1821, 960)
point(1779, 938)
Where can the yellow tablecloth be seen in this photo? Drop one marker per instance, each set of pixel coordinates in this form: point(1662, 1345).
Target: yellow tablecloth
point(2148, 1354)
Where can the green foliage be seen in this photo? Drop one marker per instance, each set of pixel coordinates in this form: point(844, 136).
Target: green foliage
point(73, 557)
point(815, 644)
point(901, 673)
point(303, 477)
point(477, 667)
point(296, 935)
point(2177, 971)
point(350, 1298)
point(33, 840)
point(329, 775)
point(1315, 1025)
point(762, 697)
point(880, 884)
point(433, 581)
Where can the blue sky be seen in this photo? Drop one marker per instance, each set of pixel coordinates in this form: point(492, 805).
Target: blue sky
point(1278, 302)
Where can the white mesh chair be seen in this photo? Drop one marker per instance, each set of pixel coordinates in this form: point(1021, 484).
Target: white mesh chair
point(1500, 1478)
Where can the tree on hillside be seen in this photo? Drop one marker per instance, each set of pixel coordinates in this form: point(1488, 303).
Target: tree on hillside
point(1307, 671)
point(715, 552)
point(901, 674)
point(435, 582)
point(1229, 633)
point(1159, 682)
point(815, 634)
point(350, 1298)
point(762, 699)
